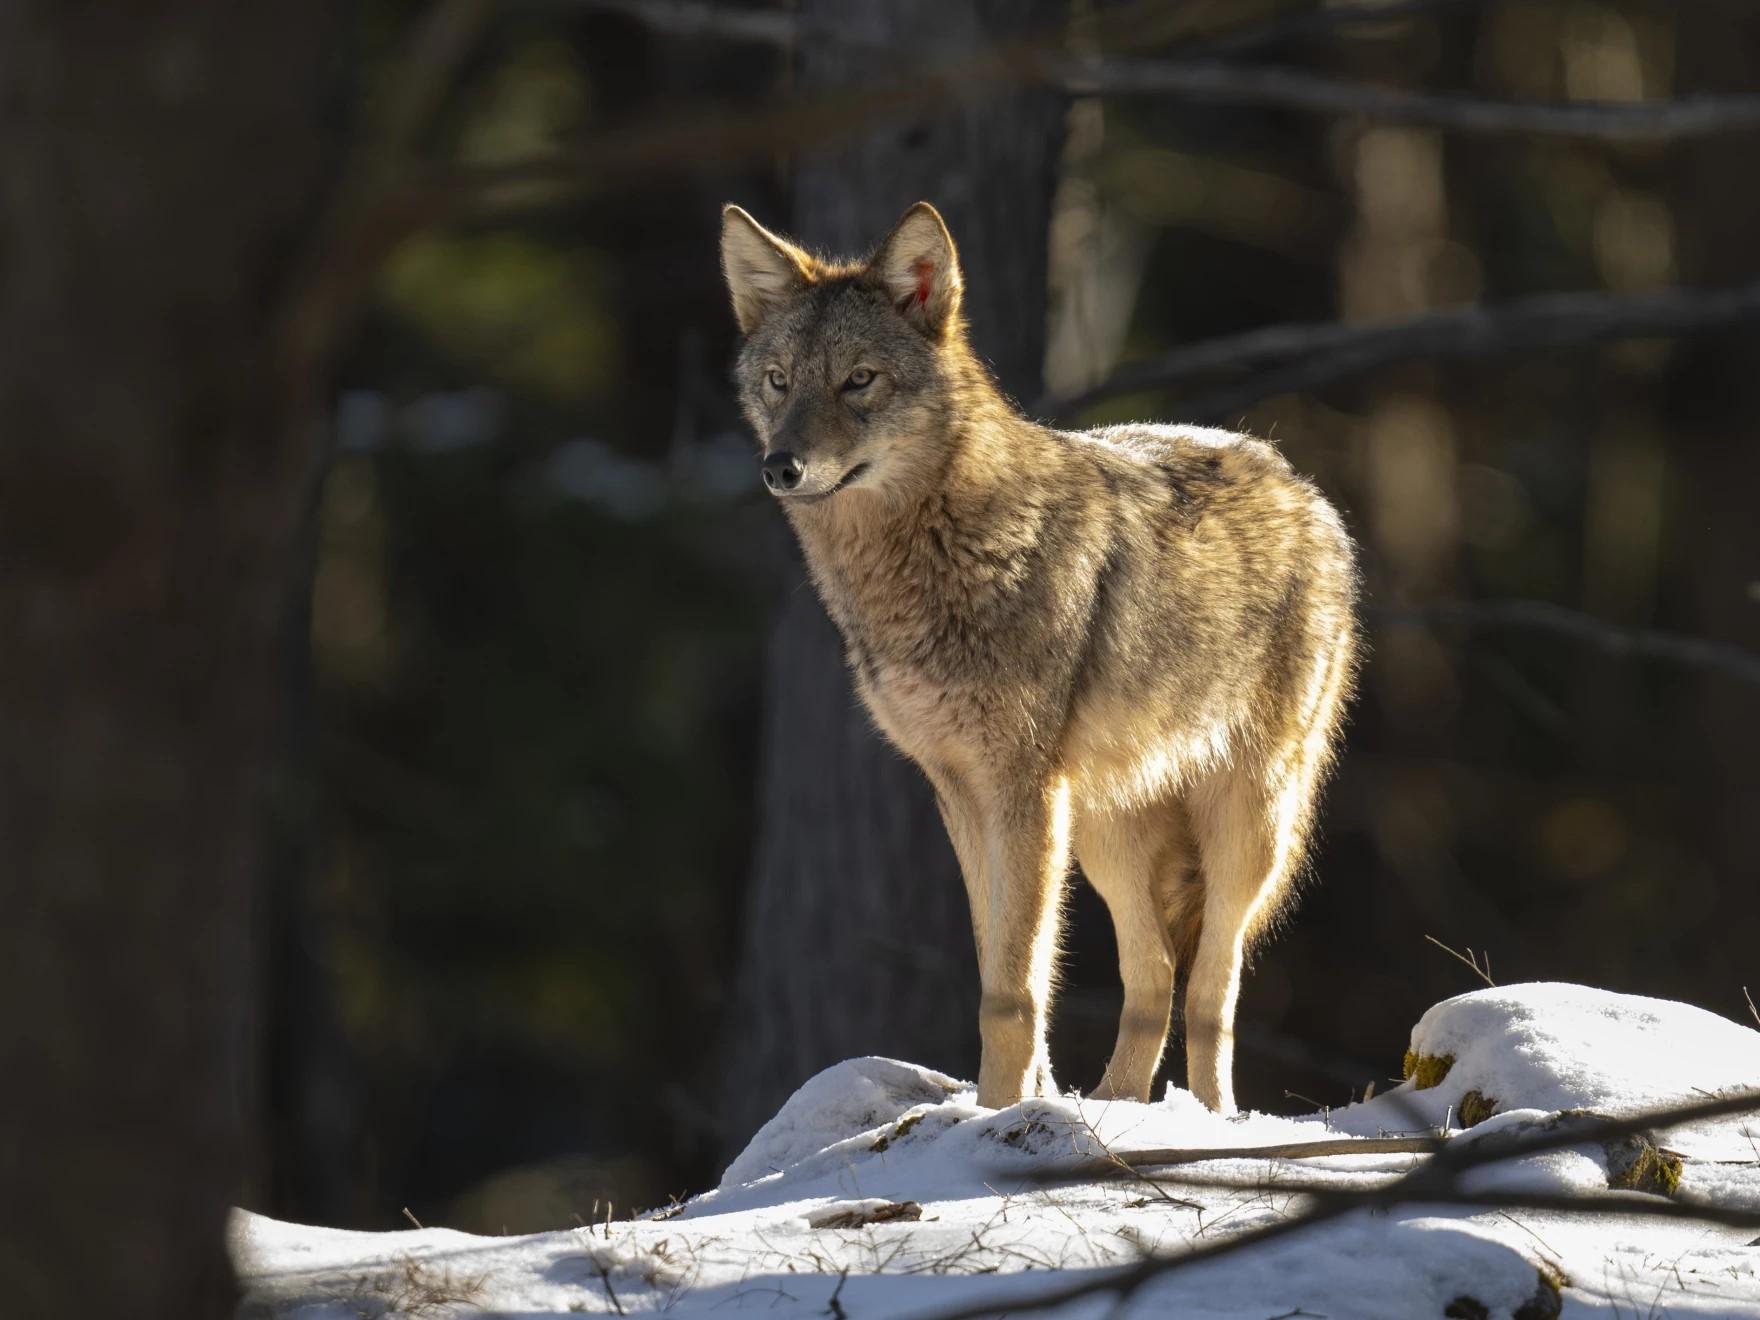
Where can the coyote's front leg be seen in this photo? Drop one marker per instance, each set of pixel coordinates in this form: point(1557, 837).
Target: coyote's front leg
point(1026, 837)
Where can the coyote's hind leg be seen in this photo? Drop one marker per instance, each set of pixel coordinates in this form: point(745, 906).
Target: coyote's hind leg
point(1245, 865)
point(1130, 858)
point(1251, 822)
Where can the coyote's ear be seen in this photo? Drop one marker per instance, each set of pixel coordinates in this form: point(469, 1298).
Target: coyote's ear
point(918, 269)
point(762, 270)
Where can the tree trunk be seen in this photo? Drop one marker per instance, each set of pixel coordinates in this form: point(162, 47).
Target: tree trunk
point(160, 167)
point(857, 938)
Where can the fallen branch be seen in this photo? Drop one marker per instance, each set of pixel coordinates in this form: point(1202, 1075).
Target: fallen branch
point(1435, 1182)
point(1543, 616)
point(1327, 351)
point(1456, 1152)
point(1168, 1156)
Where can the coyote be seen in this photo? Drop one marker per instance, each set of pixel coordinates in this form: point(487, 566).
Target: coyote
point(1133, 644)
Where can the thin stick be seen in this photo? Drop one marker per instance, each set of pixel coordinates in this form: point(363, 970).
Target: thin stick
point(605, 1278)
point(1469, 958)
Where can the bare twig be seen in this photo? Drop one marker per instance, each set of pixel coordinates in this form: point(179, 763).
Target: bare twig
point(1543, 616)
point(1751, 1008)
point(1318, 353)
point(1114, 1163)
point(1470, 958)
point(604, 1272)
point(1215, 82)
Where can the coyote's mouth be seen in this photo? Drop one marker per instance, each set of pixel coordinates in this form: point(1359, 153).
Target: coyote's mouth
point(849, 478)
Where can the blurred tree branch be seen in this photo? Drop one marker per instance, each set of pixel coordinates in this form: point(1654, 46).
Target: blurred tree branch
point(1328, 351)
point(1216, 82)
point(424, 75)
point(375, 221)
point(1543, 616)
point(788, 29)
point(1308, 22)
point(321, 304)
point(785, 28)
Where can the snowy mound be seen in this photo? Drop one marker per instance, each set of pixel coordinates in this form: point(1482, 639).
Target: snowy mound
point(1525, 1051)
point(881, 1189)
point(1552, 1046)
point(845, 1100)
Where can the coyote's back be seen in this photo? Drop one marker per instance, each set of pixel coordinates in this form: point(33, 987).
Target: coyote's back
point(1130, 645)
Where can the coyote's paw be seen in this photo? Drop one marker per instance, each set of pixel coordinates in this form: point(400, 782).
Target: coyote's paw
point(1036, 1083)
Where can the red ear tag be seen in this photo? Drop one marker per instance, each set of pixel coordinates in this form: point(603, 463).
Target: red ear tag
point(925, 273)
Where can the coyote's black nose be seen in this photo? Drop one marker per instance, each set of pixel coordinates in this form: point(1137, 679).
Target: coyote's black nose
point(782, 471)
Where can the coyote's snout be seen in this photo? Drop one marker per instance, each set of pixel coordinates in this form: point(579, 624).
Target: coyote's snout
point(1132, 644)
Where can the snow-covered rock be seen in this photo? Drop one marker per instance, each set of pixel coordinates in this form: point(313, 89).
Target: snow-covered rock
point(1554, 1046)
point(845, 1101)
point(881, 1189)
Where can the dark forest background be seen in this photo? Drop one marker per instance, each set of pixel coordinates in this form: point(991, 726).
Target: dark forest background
point(396, 807)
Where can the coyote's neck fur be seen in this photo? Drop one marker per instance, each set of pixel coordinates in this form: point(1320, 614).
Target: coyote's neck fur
point(908, 568)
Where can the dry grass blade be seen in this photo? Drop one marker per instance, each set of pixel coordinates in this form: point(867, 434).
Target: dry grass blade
point(1470, 958)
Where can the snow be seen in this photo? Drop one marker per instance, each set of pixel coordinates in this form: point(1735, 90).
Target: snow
point(882, 1189)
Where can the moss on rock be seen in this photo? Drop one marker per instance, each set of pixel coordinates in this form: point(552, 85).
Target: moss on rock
point(1548, 1298)
point(1475, 1107)
point(1638, 1164)
point(1427, 1070)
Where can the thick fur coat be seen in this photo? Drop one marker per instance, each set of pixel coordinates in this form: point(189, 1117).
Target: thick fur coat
point(1132, 645)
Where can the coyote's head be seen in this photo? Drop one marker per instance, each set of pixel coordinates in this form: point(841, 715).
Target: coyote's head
point(847, 369)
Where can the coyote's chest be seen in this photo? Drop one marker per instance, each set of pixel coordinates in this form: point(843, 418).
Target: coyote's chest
point(923, 672)
point(955, 645)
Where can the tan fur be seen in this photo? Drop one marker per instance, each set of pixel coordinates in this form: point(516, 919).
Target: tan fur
point(1133, 645)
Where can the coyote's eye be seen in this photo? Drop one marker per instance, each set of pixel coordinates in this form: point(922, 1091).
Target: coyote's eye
point(776, 379)
point(859, 379)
